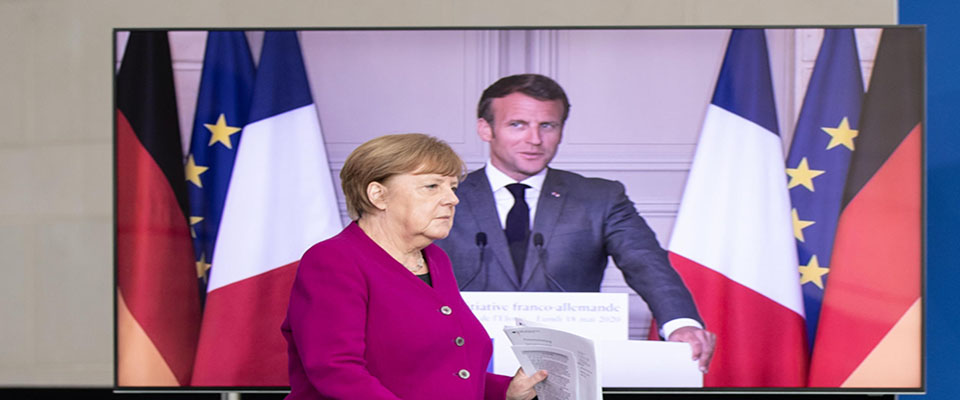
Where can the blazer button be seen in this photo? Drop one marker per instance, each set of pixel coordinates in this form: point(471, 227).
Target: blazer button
point(464, 374)
point(459, 341)
point(446, 310)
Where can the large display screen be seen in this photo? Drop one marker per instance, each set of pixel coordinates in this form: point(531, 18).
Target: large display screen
point(780, 169)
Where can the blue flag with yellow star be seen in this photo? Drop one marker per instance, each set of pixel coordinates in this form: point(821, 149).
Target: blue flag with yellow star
point(818, 161)
point(223, 107)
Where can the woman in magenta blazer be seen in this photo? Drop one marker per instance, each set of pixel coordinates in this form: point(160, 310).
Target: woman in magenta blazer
point(375, 312)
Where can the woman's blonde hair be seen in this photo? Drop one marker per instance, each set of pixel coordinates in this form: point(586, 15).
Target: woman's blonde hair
point(386, 156)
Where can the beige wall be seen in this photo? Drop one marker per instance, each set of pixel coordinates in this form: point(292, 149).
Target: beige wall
point(55, 139)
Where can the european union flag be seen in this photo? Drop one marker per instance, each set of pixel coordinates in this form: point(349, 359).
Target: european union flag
point(223, 107)
point(818, 161)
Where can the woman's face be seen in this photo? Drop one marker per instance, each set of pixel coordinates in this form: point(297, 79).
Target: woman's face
point(421, 205)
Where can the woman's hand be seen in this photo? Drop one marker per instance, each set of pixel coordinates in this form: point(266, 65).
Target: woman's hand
point(521, 386)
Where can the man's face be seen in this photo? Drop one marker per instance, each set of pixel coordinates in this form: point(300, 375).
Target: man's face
point(524, 135)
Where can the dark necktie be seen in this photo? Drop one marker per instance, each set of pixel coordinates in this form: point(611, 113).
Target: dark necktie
point(518, 227)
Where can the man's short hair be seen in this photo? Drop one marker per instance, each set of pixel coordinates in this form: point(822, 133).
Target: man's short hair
point(534, 85)
point(386, 156)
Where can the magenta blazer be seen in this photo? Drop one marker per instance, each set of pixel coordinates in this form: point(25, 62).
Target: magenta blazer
point(360, 326)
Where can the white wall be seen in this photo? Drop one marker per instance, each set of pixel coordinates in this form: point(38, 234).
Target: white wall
point(56, 140)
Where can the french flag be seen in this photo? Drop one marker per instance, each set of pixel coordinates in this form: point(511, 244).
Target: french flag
point(733, 242)
point(280, 202)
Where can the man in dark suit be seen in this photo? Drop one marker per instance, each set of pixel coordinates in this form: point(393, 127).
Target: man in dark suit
point(576, 221)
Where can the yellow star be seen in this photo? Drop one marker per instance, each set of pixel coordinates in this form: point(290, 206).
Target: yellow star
point(193, 171)
point(194, 221)
point(842, 134)
point(813, 272)
point(799, 225)
point(221, 132)
point(202, 268)
point(803, 175)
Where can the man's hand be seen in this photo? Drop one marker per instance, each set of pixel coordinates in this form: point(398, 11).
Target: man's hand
point(701, 342)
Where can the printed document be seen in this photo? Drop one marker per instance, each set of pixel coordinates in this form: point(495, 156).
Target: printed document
point(570, 361)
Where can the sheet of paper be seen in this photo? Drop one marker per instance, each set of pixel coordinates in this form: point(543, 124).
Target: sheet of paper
point(561, 366)
point(581, 349)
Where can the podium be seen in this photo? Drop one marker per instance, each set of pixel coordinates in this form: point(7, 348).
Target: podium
point(601, 317)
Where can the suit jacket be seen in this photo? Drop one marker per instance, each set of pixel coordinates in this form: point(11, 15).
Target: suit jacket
point(582, 221)
point(360, 326)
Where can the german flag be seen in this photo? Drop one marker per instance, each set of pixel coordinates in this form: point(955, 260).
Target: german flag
point(158, 309)
point(870, 324)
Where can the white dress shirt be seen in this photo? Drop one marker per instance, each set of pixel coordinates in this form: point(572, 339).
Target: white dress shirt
point(503, 198)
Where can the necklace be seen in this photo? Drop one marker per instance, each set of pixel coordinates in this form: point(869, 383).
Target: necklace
point(421, 264)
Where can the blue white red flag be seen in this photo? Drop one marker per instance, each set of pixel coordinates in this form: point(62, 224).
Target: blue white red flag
point(280, 202)
point(733, 242)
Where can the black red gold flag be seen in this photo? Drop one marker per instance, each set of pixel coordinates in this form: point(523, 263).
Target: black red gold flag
point(158, 309)
point(870, 325)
